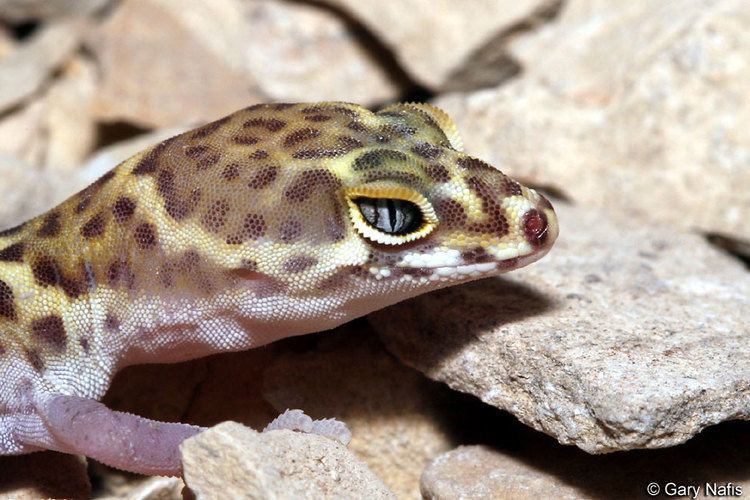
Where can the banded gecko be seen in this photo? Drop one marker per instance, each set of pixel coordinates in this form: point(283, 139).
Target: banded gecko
point(277, 220)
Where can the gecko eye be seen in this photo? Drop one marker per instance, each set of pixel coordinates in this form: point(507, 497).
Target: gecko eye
point(389, 215)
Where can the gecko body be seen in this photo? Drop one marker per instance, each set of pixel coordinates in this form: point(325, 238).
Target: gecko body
point(277, 220)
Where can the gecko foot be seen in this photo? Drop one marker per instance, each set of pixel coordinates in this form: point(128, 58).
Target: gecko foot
point(296, 420)
point(122, 440)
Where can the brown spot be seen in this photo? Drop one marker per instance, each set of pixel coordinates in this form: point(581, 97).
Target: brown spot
point(12, 231)
point(335, 227)
point(123, 209)
point(376, 158)
point(208, 161)
point(335, 281)
point(216, 215)
point(34, 359)
point(301, 135)
point(476, 255)
point(209, 128)
point(165, 183)
point(7, 302)
point(179, 208)
point(245, 140)
point(427, 150)
point(270, 124)
point(94, 227)
point(399, 129)
point(51, 331)
point(290, 230)
point(231, 172)
point(496, 222)
point(119, 272)
point(299, 263)
point(317, 118)
point(451, 213)
point(263, 178)
point(195, 151)
point(357, 126)
point(145, 236)
point(3, 350)
point(308, 181)
point(87, 195)
point(512, 188)
point(259, 155)
point(253, 227)
point(13, 253)
point(389, 175)
point(148, 163)
point(282, 105)
point(84, 343)
point(111, 323)
point(50, 225)
point(438, 173)
point(472, 163)
point(535, 227)
point(45, 271)
point(203, 155)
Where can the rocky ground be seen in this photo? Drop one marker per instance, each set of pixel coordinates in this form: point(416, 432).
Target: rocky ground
point(632, 334)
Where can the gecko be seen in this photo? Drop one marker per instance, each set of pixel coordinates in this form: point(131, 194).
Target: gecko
point(275, 221)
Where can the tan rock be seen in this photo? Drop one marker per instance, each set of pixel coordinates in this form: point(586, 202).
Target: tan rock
point(532, 467)
point(392, 411)
point(479, 472)
point(26, 191)
point(197, 82)
point(16, 11)
point(621, 338)
point(151, 488)
point(300, 52)
point(233, 461)
point(70, 130)
point(43, 475)
point(25, 70)
point(432, 38)
point(631, 107)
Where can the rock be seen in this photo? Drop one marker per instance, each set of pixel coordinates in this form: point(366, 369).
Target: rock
point(480, 472)
point(18, 11)
point(538, 468)
point(300, 52)
point(393, 412)
point(26, 191)
point(29, 66)
point(43, 475)
point(454, 32)
point(621, 338)
point(69, 128)
point(233, 461)
point(629, 107)
point(151, 488)
point(198, 82)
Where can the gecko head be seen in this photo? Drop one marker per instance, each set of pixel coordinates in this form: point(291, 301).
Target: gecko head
point(433, 215)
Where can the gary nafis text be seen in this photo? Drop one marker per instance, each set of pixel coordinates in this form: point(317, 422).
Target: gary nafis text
point(693, 491)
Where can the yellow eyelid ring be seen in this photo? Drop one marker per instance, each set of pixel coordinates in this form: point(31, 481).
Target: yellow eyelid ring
point(390, 190)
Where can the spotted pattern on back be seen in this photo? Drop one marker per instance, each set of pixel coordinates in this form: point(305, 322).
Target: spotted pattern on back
point(279, 219)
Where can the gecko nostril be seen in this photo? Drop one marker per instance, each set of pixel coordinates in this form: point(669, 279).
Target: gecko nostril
point(535, 227)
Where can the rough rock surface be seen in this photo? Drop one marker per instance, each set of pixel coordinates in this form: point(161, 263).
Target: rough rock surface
point(630, 107)
point(23, 71)
point(427, 36)
point(202, 81)
point(300, 52)
point(231, 460)
point(536, 467)
point(621, 338)
point(17, 11)
point(392, 411)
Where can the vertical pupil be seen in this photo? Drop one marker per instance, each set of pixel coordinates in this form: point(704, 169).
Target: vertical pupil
point(389, 215)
